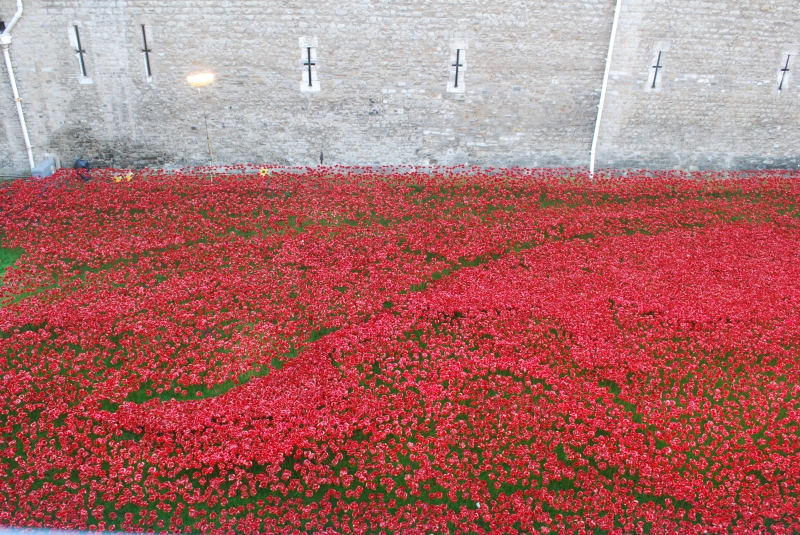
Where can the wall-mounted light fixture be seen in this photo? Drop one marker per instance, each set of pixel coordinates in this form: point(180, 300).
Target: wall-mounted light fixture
point(198, 80)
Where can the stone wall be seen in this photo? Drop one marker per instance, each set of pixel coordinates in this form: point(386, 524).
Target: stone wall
point(717, 103)
point(529, 90)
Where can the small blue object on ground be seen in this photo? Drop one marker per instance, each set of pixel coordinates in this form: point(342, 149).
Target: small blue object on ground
point(44, 168)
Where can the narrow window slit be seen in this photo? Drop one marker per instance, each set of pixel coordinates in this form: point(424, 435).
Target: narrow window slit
point(309, 64)
point(146, 51)
point(784, 70)
point(457, 64)
point(80, 51)
point(657, 66)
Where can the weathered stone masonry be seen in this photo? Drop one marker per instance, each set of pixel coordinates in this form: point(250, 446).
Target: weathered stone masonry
point(531, 82)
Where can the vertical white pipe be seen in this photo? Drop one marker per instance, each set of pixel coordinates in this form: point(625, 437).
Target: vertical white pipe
point(16, 17)
point(19, 106)
point(605, 86)
point(5, 42)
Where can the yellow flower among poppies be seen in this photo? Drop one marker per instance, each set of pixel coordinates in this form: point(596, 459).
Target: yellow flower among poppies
point(120, 178)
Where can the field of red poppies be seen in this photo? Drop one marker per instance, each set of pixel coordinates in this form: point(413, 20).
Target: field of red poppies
point(340, 350)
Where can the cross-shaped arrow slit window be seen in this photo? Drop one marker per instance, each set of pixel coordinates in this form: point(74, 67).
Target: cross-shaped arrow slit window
point(79, 50)
point(783, 82)
point(309, 64)
point(146, 51)
point(458, 66)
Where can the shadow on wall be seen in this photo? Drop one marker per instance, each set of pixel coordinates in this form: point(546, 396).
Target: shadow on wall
point(699, 162)
point(73, 143)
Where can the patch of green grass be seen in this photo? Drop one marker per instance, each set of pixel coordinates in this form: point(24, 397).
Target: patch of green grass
point(316, 334)
point(434, 493)
point(193, 392)
point(8, 257)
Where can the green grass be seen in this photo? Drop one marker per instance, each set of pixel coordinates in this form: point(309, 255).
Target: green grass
point(8, 257)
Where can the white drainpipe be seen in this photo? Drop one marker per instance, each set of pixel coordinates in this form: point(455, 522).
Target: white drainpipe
point(605, 86)
point(5, 42)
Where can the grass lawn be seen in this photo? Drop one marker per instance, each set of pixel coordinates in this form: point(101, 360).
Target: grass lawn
point(7, 259)
point(525, 351)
